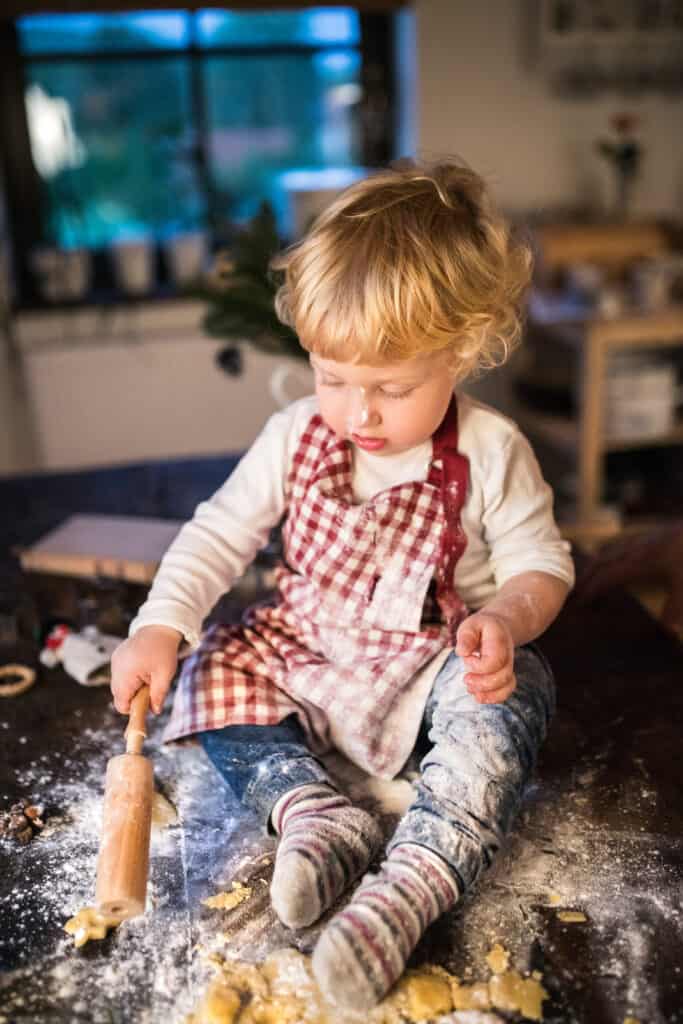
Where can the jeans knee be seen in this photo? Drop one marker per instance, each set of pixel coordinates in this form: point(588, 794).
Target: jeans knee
point(484, 743)
point(500, 740)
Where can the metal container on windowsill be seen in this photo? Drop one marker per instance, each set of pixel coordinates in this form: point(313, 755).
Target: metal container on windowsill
point(62, 275)
point(185, 256)
point(133, 261)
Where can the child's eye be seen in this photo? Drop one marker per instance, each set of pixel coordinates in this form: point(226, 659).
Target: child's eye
point(398, 394)
point(332, 383)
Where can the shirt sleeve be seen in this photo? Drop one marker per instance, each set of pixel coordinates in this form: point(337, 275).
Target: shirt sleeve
point(217, 545)
point(518, 522)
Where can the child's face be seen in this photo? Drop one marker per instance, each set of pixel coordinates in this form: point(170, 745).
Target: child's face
point(384, 409)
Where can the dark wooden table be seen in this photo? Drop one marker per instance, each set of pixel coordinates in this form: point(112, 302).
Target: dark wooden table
point(600, 834)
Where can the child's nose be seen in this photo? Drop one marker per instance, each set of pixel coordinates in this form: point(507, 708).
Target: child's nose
point(364, 412)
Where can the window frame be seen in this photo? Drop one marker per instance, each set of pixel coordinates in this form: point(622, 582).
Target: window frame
point(22, 183)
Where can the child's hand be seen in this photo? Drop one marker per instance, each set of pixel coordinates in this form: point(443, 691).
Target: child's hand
point(484, 642)
point(150, 657)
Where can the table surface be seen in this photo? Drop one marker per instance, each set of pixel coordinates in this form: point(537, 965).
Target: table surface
point(600, 833)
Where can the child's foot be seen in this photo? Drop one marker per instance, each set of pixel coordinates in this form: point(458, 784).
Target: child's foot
point(364, 949)
point(325, 844)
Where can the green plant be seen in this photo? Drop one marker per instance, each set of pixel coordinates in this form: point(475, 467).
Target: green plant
point(240, 291)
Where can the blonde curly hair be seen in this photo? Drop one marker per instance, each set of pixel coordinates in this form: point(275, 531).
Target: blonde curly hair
point(410, 261)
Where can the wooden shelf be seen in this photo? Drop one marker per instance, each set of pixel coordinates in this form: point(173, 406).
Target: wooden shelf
point(563, 432)
point(580, 343)
point(618, 444)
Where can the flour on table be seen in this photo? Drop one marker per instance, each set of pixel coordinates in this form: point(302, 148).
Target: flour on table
point(150, 969)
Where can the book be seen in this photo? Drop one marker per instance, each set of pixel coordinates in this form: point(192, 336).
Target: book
point(120, 547)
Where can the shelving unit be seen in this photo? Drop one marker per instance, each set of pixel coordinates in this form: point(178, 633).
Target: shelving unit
point(587, 47)
point(593, 341)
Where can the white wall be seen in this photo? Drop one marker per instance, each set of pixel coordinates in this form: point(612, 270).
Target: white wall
point(482, 96)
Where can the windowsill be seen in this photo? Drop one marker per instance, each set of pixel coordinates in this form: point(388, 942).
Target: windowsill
point(116, 320)
point(100, 298)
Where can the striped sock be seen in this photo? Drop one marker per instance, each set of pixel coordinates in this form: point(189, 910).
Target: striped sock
point(364, 949)
point(325, 844)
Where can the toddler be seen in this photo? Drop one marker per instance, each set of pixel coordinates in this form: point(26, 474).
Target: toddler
point(421, 559)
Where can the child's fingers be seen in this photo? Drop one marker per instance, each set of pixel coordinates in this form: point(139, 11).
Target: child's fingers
point(495, 651)
point(159, 687)
point(488, 661)
point(467, 638)
point(496, 696)
point(490, 682)
point(123, 690)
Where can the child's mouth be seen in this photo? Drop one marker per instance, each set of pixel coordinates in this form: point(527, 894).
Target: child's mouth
point(370, 444)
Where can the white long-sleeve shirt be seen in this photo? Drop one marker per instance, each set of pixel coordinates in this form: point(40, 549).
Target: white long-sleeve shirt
point(507, 516)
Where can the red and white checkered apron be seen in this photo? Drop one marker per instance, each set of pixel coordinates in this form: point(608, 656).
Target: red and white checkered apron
point(351, 630)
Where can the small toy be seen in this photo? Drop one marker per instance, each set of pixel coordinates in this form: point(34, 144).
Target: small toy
point(86, 656)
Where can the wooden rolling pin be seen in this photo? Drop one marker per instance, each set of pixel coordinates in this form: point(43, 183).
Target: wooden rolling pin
point(123, 862)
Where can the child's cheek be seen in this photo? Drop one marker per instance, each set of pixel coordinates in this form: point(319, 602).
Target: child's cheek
point(333, 412)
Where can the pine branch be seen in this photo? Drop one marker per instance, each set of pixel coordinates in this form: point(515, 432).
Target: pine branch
point(241, 292)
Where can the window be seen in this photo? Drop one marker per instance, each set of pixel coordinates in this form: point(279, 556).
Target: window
point(155, 124)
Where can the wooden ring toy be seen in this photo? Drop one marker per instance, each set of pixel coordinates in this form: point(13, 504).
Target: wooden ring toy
point(27, 678)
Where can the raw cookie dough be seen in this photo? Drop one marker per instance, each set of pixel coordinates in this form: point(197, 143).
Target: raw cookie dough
point(282, 990)
point(498, 959)
point(427, 995)
point(229, 900)
point(90, 923)
point(571, 916)
point(510, 991)
point(221, 1005)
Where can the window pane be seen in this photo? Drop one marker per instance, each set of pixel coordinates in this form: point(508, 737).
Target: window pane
point(88, 33)
point(114, 144)
point(268, 115)
point(315, 26)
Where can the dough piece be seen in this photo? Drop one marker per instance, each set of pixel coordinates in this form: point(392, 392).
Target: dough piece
point(246, 978)
point(282, 990)
point(229, 900)
point(286, 971)
point(510, 991)
point(90, 923)
point(220, 1005)
point(498, 959)
point(19, 679)
point(571, 916)
point(426, 996)
point(471, 997)
point(278, 1010)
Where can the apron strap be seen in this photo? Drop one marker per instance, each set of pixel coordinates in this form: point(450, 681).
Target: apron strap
point(452, 478)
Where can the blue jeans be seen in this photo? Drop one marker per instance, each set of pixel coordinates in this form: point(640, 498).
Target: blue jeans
point(478, 760)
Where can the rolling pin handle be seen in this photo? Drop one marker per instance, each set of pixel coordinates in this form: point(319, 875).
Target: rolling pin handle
point(136, 732)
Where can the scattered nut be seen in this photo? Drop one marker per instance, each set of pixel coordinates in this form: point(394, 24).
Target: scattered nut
point(21, 820)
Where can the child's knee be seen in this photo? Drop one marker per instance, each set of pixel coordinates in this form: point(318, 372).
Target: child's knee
point(535, 693)
point(484, 741)
point(499, 740)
